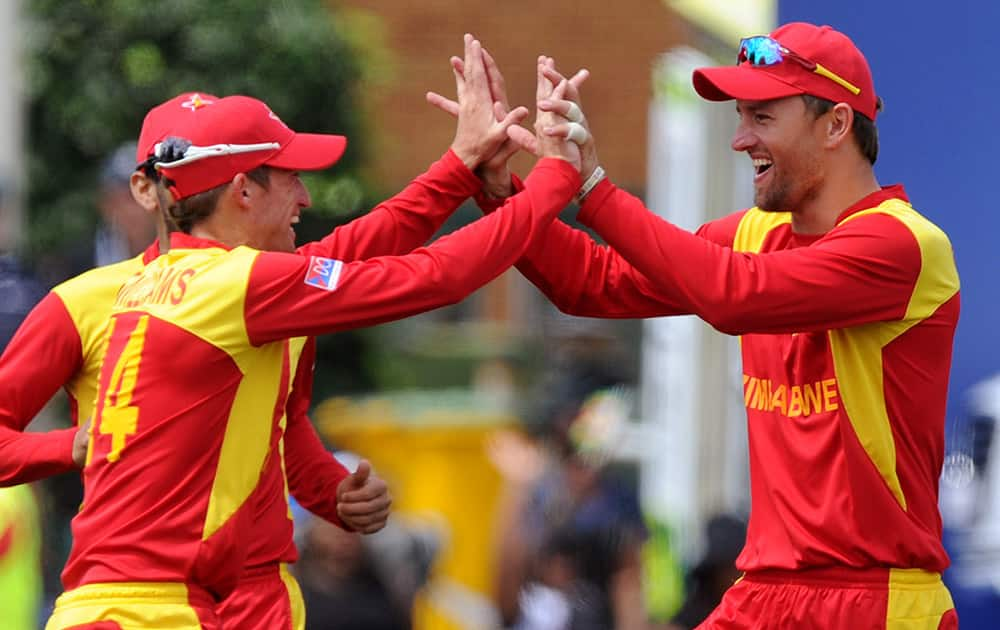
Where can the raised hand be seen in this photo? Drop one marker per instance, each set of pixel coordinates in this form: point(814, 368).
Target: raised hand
point(569, 107)
point(548, 123)
point(494, 170)
point(363, 500)
point(482, 127)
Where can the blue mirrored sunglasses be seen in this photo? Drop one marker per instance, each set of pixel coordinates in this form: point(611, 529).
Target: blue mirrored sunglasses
point(761, 50)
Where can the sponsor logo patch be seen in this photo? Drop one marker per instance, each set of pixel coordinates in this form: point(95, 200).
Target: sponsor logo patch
point(323, 273)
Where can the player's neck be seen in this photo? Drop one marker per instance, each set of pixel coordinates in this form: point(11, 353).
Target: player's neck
point(218, 228)
point(840, 191)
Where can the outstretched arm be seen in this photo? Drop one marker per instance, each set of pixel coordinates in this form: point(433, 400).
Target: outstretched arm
point(879, 266)
point(410, 218)
point(577, 274)
point(405, 221)
point(296, 296)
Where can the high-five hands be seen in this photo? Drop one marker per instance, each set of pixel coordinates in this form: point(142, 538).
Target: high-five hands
point(363, 500)
point(480, 132)
point(494, 171)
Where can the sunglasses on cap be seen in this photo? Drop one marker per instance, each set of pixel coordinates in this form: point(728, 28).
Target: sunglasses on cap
point(174, 152)
point(761, 50)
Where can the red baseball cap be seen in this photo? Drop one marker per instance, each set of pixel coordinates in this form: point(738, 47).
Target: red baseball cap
point(203, 141)
point(828, 50)
point(158, 122)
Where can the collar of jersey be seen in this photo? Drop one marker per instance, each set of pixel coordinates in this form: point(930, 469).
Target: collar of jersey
point(875, 199)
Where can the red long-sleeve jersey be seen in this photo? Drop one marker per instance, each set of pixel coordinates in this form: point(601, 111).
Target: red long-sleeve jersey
point(846, 343)
point(201, 351)
point(60, 344)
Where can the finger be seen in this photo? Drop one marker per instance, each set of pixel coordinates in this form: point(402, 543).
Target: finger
point(579, 79)
point(544, 85)
point(358, 516)
point(552, 74)
point(573, 89)
point(565, 108)
point(364, 494)
point(373, 490)
point(559, 92)
point(514, 117)
point(573, 112)
point(498, 87)
point(474, 71)
point(523, 138)
point(507, 150)
point(574, 132)
point(361, 474)
point(458, 65)
point(459, 83)
point(444, 104)
point(577, 133)
point(362, 512)
point(499, 110)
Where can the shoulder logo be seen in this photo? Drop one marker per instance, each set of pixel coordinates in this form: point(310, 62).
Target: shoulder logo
point(323, 273)
point(196, 102)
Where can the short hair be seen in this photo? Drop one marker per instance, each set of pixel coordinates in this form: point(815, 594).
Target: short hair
point(864, 130)
point(192, 210)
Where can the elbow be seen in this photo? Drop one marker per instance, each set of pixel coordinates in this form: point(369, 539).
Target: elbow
point(726, 320)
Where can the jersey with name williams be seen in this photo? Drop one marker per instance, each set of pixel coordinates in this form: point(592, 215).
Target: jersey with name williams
point(202, 348)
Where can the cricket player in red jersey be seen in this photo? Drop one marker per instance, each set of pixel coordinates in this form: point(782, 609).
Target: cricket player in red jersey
point(60, 343)
point(203, 344)
point(846, 300)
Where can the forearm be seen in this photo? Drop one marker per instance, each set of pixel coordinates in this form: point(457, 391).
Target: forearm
point(313, 473)
point(406, 220)
point(581, 277)
point(279, 304)
point(27, 457)
point(864, 272)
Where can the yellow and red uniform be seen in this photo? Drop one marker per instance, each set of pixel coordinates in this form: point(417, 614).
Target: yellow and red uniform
point(60, 343)
point(201, 354)
point(846, 342)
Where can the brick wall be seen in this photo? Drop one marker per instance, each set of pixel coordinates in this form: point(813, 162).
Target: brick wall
point(616, 39)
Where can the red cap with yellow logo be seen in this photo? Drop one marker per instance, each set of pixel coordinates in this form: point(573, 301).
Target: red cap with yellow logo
point(200, 141)
point(797, 58)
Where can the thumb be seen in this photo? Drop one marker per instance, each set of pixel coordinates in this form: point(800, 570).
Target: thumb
point(360, 476)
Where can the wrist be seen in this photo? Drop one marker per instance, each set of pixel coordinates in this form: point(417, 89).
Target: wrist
point(471, 161)
point(497, 187)
point(590, 183)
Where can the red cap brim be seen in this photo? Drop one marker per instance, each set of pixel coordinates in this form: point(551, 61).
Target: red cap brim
point(742, 83)
point(309, 152)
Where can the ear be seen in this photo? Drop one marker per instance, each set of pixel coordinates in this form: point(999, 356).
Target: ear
point(143, 191)
point(241, 191)
point(838, 123)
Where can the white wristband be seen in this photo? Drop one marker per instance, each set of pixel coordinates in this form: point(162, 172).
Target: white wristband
point(594, 179)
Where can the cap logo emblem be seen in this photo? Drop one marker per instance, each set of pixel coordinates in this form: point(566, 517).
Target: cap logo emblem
point(196, 102)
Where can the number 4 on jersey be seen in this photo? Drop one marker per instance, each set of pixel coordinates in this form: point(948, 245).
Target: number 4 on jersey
point(118, 417)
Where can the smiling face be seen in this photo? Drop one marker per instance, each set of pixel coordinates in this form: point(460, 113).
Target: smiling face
point(784, 140)
point(274, 211)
